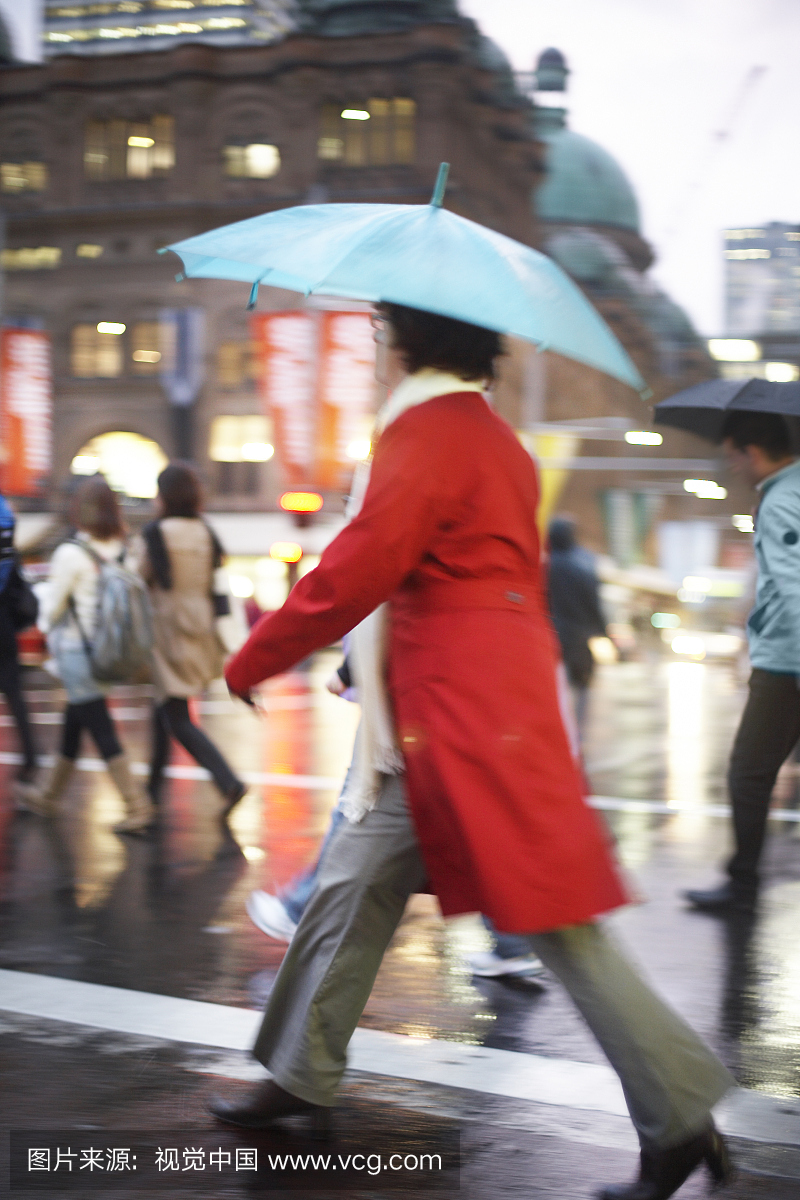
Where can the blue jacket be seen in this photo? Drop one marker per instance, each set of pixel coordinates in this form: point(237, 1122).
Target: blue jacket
point(773, 627)
point(7, 555)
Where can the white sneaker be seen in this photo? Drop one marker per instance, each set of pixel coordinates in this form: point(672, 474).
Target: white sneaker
point(269, 915)
point(490, 965)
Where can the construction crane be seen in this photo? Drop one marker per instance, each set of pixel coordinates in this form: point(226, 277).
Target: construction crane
point(717, 142)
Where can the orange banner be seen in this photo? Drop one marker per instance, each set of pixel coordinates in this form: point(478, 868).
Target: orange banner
point(317, 380)
point(345, 393)
point(25, 411)
point(287, 351)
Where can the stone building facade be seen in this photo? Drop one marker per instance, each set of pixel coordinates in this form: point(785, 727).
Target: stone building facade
point(112, 149)
point(105, 158)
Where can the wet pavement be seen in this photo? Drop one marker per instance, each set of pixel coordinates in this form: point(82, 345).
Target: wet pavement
point(165, 915)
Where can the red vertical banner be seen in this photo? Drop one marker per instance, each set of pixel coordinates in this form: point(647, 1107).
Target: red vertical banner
point(25, 411)
point(287, 352)
point(345, 392)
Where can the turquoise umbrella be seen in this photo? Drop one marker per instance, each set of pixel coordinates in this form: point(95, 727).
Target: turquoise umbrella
point(419, 255)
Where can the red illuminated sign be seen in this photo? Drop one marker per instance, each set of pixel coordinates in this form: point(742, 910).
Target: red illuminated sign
point(25, 411)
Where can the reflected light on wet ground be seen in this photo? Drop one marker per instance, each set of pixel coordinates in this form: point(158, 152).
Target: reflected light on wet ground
point(166, 913)
point(686, 748)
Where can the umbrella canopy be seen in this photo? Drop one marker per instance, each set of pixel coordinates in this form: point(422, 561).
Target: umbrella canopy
point(418, 255)
point(702, 409)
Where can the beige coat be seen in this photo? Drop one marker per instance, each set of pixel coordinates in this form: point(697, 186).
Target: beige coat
point(188, 653)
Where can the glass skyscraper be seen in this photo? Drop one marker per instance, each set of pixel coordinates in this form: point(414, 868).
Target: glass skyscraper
point(762, 280)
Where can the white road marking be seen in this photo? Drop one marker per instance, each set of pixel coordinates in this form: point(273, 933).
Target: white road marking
point(264, 778)
point(57, 718)
point(334, 782)
point(527, 1077)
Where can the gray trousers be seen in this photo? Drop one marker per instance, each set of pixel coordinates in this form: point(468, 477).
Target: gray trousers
point(670, 1078)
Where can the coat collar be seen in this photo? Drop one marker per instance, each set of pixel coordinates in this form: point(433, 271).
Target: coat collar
point(418, 388)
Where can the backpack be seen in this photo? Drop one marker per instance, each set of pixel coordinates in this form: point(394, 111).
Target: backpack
point(123, 639)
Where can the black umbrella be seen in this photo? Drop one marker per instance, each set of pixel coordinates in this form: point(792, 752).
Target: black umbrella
point(702, 409)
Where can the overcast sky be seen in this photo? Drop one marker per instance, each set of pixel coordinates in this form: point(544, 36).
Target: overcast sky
point(655, 82)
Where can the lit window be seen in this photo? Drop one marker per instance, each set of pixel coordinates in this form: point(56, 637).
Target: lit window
point(643, 437)
point(95, 354)
point(146, 348)
point(130, 463)
point(88, 250)
point(23, 177)
point(705, 489)
point(256, 161)
point(236, 364)
point(156, 29)
point(734, 350)
point(31, 258)
point(382, 134)
point(129, 150)
point(240, 439)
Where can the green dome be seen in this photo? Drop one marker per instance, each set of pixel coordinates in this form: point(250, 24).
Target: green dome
point(584, 185)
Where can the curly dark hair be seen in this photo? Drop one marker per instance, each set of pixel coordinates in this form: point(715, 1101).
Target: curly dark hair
point(180, 490)
point(94, 508)
point(425, 339)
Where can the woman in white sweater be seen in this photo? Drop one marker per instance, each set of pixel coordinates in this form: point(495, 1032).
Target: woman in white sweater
point(69, 618)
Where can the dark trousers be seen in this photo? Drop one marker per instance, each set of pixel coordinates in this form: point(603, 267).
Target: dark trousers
point(94, 717)
point(768, 732)
point(11, 687)
point(172, 719)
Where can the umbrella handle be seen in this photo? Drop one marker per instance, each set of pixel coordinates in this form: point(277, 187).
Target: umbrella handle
point(441, 184)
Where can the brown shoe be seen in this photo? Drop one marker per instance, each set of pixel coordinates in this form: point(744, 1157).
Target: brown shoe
point(267, 1104)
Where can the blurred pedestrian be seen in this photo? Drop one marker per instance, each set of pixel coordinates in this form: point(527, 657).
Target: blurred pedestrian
point(574, 598)
point(12, 620)
point(758, 447)
point(70, 620)
point(178, 555)
point(470, 783)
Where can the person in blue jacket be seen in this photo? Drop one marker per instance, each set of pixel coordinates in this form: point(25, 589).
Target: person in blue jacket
point(10, 674)
point(758, 447)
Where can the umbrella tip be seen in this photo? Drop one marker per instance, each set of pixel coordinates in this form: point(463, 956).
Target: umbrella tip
point(441, 184)
point(646, 393)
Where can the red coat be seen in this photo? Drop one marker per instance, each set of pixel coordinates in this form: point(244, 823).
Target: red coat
point(447, 534)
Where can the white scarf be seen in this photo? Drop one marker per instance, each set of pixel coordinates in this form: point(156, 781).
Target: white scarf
point(376, 750)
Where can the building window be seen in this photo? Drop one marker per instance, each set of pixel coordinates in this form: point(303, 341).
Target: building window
point(130, 463)
point(381, 134)
point(31, 258)
point(146, 348)
point(238, 445)
point(96, 351)
point(237, 364)
point(240, 439)
point(129, 149)
point(256, 161)
point(23, 177)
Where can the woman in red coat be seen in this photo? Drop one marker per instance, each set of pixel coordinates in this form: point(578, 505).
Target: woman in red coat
point(472, 742)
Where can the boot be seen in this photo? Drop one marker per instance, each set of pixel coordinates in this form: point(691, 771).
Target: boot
point(663, 1171)
point(44, 800)
point(140, 811)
